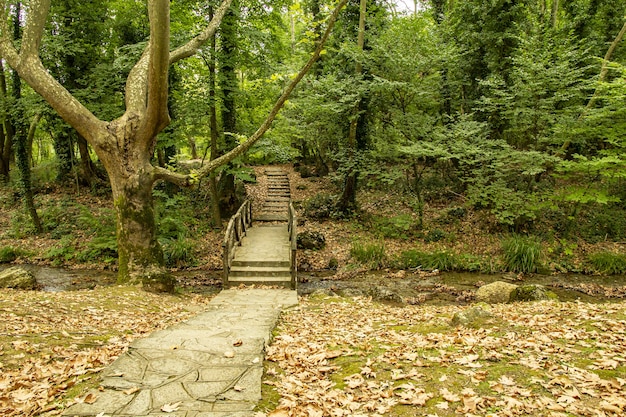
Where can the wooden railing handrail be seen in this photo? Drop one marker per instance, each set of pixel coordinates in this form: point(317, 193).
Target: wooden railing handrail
point(293, 235)
point(235, 231)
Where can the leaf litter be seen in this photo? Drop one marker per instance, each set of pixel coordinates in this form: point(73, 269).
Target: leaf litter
point(339, 357)
point(52, 345)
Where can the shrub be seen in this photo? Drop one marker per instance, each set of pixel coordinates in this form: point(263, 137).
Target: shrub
point(521, 254)
point(320, 206)
point(434, 236)
point(179, 252)
point(9, 254)
point(371, 254)
point(608, 262)
point(63, 252)
point(441, 260)
point(402, 226)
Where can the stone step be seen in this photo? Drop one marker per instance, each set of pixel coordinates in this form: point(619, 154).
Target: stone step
point(257, 264)
point(264, 271)
point(273, 210)
point(268, 217)
point(275, 199)
point(284, 283)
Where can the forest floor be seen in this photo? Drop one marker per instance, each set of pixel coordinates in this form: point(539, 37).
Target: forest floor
point(332, 356)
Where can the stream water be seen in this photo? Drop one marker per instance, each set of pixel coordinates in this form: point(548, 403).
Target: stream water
point(391, 286)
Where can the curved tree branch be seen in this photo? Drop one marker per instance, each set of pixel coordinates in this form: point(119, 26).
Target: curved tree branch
point(191, 47)
point(30, 69)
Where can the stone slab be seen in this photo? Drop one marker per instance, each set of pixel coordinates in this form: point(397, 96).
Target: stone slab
point(189, 363)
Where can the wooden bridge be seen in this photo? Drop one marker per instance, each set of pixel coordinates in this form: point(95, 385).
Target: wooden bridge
point(261, 248)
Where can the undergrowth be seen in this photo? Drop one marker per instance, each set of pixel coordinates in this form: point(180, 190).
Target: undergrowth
point(521, 254)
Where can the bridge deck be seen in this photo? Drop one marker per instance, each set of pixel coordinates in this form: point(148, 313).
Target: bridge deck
point(266, 253)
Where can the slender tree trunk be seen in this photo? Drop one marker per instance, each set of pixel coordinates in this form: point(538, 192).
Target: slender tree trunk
point(6, 132)
point(87, 165)
point(347, 202)
point(215, 198)
point(23, 162)
point(554, 14)
point(229, 201)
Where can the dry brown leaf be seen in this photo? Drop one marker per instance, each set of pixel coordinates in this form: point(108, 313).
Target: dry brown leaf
point(170, 407)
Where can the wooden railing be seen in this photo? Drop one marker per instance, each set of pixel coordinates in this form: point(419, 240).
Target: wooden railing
point(235, 231)
point(291, 227)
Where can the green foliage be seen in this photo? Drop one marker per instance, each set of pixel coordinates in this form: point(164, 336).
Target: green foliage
point(64, 251)
point(371, 255)
point(103, 243)
point(320, 206)
point(402, 226)
point(434, 235)
point(179, 252)
point(605, 222)
point(521, 253)
point(10, 254)
point(608, 262)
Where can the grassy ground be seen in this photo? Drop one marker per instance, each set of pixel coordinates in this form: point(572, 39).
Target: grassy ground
point(352, 357)
point(53, 345)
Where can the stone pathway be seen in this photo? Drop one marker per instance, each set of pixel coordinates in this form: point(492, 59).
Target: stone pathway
point(208, 366)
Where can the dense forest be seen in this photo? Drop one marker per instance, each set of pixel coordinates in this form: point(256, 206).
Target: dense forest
point(146, 118)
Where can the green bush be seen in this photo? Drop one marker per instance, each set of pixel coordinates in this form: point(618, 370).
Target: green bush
point(402, 226)
point(434, 236)
point(521, 253)
point(441, 260)
point(179, 252)
point(371, 255)
point(608, 262)
point(9, 254)
point(603, 223)
point(320, 206)
point(65, 251)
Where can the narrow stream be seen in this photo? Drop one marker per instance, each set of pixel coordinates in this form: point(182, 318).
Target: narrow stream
point(392, 286)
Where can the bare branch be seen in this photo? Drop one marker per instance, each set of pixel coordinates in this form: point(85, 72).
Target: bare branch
point(36, 14)
point(191, 47)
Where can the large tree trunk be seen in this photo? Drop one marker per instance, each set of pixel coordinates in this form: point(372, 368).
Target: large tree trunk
point(140, 255)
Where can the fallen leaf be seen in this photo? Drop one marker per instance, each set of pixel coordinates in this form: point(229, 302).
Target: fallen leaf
point(131, 391)
point(170, 408)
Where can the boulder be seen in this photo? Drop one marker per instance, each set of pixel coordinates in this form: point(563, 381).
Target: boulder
point(496, 292)
point(472, 317)
point(18, 278)
point(311, 240)
point(532, 292)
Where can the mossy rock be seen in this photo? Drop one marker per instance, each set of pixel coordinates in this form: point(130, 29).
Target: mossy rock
point(532, 292)
point(496, 292)
point(17, 278)
point(311, 240)
point(472, 317)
